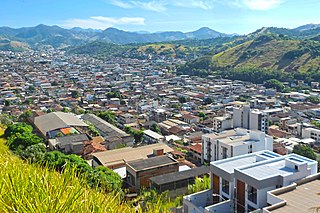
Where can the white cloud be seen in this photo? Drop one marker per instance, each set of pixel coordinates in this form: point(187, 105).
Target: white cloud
point(162, 5)
point(262, 4)
point(121, 4)
point(102, 22)
point(158, 6)
point(202, 4)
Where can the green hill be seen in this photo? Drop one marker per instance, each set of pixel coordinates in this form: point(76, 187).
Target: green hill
point(273, 52)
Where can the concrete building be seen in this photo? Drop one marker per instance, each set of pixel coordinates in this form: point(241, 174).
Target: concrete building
point(118, 157)
point(139, 172)
point(222, 123)
point(113, 135)
point(127, 118)
point(152, 137)
point(302, 196)
point(311, 133)
point(54, 124)
point(258, 121)
point(241, 184)
point(241, 117)
point(230, 143)
point(177, 183)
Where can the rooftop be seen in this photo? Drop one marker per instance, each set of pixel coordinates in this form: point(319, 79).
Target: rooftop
point(153, 134)
point(119, 156)
point(303, 196)
point(56, 120)
point(150, 163)
point(177, 176)
point(228, 165)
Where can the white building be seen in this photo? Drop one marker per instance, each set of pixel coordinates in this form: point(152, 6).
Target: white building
point(240, 184)
point(222, 123)
point(253, 119)
point(230, 143)
point(311, 133)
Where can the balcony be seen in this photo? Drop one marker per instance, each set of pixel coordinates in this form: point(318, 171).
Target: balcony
point(206, 202)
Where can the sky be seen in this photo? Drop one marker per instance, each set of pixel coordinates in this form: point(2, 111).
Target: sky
point(226, 16)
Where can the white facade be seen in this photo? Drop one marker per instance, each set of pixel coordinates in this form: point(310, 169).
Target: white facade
point(253, 119)
point(221, 123)
point(311, 133)
point(243, 182)
point(230, 143)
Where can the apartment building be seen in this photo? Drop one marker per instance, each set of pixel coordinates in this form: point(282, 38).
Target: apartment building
point(235, 142)
point(222, 123)
point(240, 184)
point(311, 133)
point(253, 119)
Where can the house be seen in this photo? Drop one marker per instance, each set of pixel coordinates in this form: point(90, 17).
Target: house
point(190, 119)
point(72, 144)
point(112, 135)
point(56, 124)
point(241, 183)
point(177, 182)
point(230, 143)
point(118, 157)
point(196, 152)
point(139, 172)
point(126, 118)
point(152, 137)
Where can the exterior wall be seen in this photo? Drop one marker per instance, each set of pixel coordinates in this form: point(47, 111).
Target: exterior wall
point(142, 178)
point(196, 202)
point(311, 133)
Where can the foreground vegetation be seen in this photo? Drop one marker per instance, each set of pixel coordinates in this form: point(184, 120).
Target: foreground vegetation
point(31, 188)
point(41, 181)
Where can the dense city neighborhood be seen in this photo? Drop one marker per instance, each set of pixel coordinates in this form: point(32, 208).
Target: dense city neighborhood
point(162, 131)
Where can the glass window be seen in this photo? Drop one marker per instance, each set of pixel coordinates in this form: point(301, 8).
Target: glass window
point(252, 194)
point(225, 186)
point(224, 152)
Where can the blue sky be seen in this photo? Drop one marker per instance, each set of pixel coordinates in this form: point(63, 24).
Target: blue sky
point(228, 16)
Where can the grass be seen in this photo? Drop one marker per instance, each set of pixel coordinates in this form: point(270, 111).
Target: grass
point(29, 188)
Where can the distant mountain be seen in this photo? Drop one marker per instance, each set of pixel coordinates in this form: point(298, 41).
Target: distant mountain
point(205, 33)
point(60, 37)
point(307, 27)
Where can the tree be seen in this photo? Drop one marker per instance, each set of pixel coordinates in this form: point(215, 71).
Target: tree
point(74, 94)
point(7, 103)
point(313, 99)
point(202, 115)
point(305, 151)
point(108, 116)
point(154, 127)
point(182, 99)
point(20, 127)
point(34, 153)
point(19, 142)
point(24, 116)
point(105, 178)
point(273, 83)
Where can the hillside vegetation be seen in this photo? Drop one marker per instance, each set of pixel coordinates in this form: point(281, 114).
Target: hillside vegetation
point(274, 52)
point(29, 188)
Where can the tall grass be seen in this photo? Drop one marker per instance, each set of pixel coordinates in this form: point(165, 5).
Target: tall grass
point(33, 188)
point(30, 188)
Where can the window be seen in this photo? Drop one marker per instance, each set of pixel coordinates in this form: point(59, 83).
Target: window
point(224, 153)
point(225, 186)
point(252, 194)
